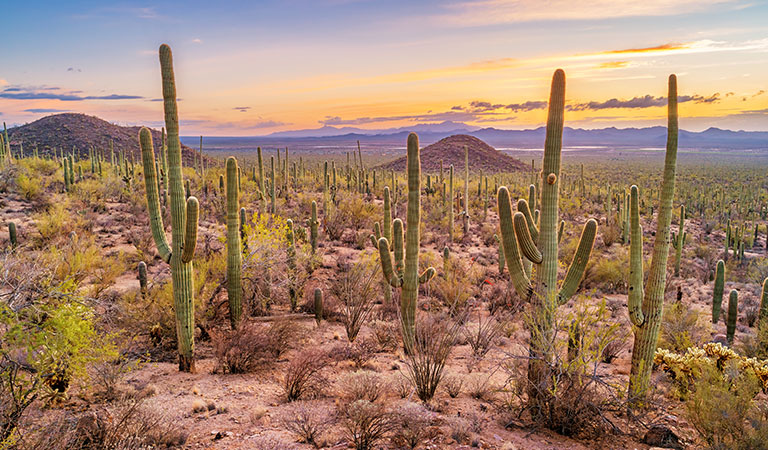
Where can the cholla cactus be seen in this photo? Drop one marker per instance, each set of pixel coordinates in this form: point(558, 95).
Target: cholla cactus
point(539, 244)
point(234, 245)
point(646, 308)
point(405, 274)
point(184, 217)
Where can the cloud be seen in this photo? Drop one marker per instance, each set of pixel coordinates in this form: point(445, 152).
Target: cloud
point(242, 108)
point(758, 93)
point(481, 106)
point(44, 93)
point(197, 41)
point(45, 110)
point(488, 12)
point(160, 99)
point(646, 101)
point(613, 65)
point(72, 69)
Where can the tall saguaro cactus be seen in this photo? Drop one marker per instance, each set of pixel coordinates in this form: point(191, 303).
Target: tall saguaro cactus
point(646, 308)
point(405, 275)
point(540, 245)
point(234, 246)
point(184, 216)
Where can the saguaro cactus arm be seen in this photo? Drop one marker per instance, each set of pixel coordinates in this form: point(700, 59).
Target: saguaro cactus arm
point(524, 208)
point(190, 233)
point(427, 275)
point(525, 240)
point(509, 243)
point(579, 264)
point(386, 264)
point(635, 297)
point(153, 198)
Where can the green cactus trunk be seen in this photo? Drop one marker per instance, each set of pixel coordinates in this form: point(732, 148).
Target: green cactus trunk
point(184, 215)
point(143, 278)
point(313, 228)
point(678, 240)
point(717, 292)
point(762, 318)
point(12, 237)
point(449, 203)
point(647, 326)
point(234, 246)
point(733, 313)
point(318, 305)
point(540, 246)
point(407, 276)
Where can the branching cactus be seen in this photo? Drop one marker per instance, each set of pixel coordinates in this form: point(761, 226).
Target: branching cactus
point(717, 292)
point(405, 274)
point(678, 240)
point(521, 237)
point(184, 217)
point(733, 313)
point(646, 308)
point(234, 246)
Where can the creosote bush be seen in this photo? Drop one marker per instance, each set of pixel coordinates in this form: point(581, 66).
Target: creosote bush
point(304, 376)
point(433, 342)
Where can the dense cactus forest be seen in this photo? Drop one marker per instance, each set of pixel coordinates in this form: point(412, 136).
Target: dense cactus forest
point(161, 297)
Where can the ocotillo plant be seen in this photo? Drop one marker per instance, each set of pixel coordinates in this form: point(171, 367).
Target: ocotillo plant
point(678, 240)
point(733, 312)
point(234, 246)
point(406, 275)
point(183, 217)
point(646, 315)
point(543, 250)
point(717, 292)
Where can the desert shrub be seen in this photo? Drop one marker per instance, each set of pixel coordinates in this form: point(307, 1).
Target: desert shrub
point(366, 424)
point(130, 425)
point(500, 298)
point(682, 327)
point(58, 221)
point(455, 288)
point(482, 335)
point(30, 187)
point(610, 233)
point(386, 334)
point(363, 385)
point(356, 288)
point(480, 387)
point(612, 349)
point(576, 397)
point(461, 429)
point(756, 345)
point(107, 376)
point(413, 424)
point(308, 421)
point(243, 350)
point(433, 341)
point(608, 273)
point(303, 377)
point(453, 385)
point(724, 413)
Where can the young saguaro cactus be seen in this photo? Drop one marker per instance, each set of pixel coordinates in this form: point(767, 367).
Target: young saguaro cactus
point(234, 245)
point(678, 240)
point(733, 313)
point(405, 275)
point(184, 215)
point(646, 308)
point(762, 318)
point(717, 292)
point(143, 278)
point(313, 227)
point(540, 245)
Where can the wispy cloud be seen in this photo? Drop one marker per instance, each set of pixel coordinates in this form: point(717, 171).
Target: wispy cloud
point(197, 41)
point(55, 93)
point(646, 101)
point(488, 12)
point(242, 108)
point(45, 110)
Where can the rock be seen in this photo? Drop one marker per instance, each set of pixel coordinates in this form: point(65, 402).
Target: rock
point(720, 339)
point(662, 436)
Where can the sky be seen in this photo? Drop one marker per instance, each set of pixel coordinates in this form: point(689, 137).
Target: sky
point(256, 67)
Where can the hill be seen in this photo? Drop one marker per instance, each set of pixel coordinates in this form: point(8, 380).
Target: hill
point(450, 150)
point(81, 132)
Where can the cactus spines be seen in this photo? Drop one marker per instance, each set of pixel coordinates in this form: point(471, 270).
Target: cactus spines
point(678, 240)
point(717, 292)
point(12, 237)
point(407, 276)
point(143, 278)
point(540, 245)
point(234, 246)
point(733, 312)
point(184, 217)
point(647, 333)
point(313, 227)
point(318, 305)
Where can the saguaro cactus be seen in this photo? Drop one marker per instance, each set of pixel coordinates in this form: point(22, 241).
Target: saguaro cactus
point(143, 278)
point(234, 245)
point(717, 293)
point(733, 313)
point(678, 240)
point(318, 305)
point(762, 320)
point(539, 245)
point(183, 217)
point(449, 203)
point(313, 227)
point(406, 276)
point(646, 317)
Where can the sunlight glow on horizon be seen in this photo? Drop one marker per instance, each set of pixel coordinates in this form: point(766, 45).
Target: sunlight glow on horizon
point(277, 66)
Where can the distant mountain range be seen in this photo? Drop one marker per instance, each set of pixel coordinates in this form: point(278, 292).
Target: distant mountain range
point(654, 137)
